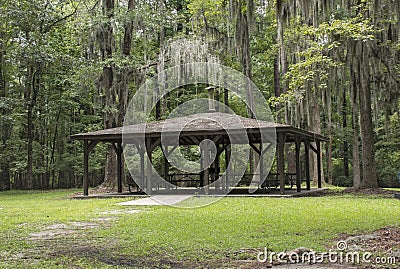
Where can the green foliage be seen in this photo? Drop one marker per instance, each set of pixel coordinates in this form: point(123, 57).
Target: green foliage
point(59, 44)
point(318, 45)
point(338, 178)
point(388, 155)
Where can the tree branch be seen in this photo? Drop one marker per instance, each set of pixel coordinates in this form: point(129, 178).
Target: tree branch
point(48, 28)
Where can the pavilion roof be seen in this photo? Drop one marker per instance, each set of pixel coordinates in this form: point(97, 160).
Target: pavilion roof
point(213, 123)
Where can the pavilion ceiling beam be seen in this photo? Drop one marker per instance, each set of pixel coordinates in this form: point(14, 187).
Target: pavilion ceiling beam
point(252, 137)
point(257, 150)
point(154, 144)
point(313, 148)
point(187, 140)
point(268, 147)
point(217, 138)
point(91, 145)
point(196, 139)
point(172, 149)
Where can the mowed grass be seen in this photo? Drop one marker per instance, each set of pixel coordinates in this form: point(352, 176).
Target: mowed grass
point(24, 212)
point(223, 230)
point(232, 224)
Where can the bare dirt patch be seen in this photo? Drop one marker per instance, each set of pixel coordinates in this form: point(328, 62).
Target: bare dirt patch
point(62, 229)
point(383, 244)
point(376, 192)
point(73, 227)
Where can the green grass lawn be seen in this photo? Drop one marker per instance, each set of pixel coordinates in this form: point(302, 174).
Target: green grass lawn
point(223, 232)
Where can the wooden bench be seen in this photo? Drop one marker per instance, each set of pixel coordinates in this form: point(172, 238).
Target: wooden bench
point(188, 177)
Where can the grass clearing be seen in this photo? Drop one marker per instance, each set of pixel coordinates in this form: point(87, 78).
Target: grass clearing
point(228, 230)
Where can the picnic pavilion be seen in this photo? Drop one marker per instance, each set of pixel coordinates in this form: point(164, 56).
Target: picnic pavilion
point(221, 128)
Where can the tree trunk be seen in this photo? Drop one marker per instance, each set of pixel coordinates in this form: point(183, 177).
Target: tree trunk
point(107, 83)
point(277, 80)
point(345, 146)
point(369, 179)
point(242, 35)
point(355, 122)
point(31, 95)
point(281, 64)
point(5, 180)
point(115, 83)
point(329, 146)
point(315, 127)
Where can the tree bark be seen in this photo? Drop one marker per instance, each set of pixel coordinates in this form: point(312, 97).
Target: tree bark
point(242, 36)
point(369, 179)
point(354, 65)
point(106, 43)
point(115, 83)
point(329, 146)
point(345, 146)
point(315, 127)
point(5, 180)
point(281, 67)
point(31, 95)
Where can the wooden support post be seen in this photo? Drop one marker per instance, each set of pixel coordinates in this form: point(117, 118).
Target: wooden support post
point(227, 171)
point(205, 160)
point(212, 174)
point(149, 172)
point(206, 176)
point(298, 165)
point(217, 93)
point(261, 164)
point(216, 168)
point(166, 166)
point(226, 100)
point(319, 164)
point(307, 155)
point(120, 165)
point(280, 162)
point(142, 172)
point(87, 148)
point(85, 168)
point(201, 168)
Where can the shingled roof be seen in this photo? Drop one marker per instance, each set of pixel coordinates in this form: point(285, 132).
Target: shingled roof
point(198, 124)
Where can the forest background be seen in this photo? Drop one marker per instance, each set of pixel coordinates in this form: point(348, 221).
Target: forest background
point(328, 66)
